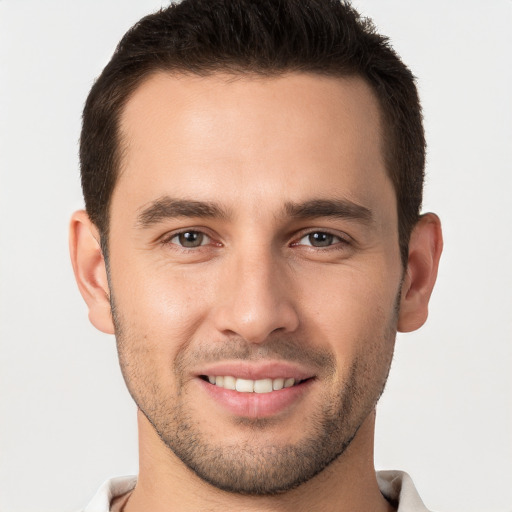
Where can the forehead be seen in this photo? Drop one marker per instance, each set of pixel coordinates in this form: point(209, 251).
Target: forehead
point(243, 137)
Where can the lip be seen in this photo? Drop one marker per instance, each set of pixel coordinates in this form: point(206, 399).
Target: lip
point(256, 405)
point(256, 371)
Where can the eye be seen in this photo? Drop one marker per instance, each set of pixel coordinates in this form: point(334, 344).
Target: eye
point(189, 239)
point(320, 239)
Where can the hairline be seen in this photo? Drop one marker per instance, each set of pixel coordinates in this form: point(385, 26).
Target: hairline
point(231, 73)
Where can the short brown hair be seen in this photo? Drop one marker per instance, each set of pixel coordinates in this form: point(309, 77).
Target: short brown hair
point(264, 37)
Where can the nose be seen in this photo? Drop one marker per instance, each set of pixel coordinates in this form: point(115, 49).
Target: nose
point(256, 298)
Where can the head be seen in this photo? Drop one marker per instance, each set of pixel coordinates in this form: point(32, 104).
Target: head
point(269, 39)
point(254, 173)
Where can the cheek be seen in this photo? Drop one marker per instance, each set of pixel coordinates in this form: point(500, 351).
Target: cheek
point(350, 309)
point(154, 322)
point(357, 323)
point(158, 312)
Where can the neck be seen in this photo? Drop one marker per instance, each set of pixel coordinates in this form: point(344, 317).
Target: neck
point(166, 484)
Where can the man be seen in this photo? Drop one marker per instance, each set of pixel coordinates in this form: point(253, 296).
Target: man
point(252, 173)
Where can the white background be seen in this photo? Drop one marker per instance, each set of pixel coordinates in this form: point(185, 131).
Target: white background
point(66, 421)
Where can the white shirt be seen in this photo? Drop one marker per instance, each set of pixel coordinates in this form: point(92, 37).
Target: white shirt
point(396, 486)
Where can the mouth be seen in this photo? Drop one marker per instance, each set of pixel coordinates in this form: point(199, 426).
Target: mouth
point(266, 385)
point(271, 391)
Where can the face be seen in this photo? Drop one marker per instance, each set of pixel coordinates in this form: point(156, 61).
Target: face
point(254, 271)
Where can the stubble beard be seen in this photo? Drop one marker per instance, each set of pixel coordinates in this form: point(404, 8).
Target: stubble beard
point(253, 468)
point(259, 469)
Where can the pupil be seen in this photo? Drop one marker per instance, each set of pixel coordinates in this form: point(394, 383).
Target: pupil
point(191, 239)
point(320, 239)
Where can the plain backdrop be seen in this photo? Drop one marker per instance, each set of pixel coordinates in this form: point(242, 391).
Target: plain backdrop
point(66, 421)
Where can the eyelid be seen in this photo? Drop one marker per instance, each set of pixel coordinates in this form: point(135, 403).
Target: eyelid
point(343, 237)
point(167, 237)
point(204, 241)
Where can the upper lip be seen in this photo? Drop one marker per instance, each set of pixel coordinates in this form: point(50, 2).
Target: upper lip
point(256, 370)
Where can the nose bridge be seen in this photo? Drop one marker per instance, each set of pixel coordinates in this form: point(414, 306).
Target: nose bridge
point(256, 298)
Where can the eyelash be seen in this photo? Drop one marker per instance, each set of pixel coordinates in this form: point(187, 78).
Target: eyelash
point(340, 243)
point(167, 240)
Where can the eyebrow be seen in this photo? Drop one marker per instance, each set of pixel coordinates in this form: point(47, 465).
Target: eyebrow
point(170, 208)
point(338, 208)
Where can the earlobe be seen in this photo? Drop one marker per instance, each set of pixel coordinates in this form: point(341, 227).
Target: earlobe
point(90, 271)
point(425, 247)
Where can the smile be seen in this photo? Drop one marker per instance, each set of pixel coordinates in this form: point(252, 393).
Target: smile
point(252, 386)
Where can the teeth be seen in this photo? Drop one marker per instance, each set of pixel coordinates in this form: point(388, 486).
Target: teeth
point(230, 383)
point(288, 383)
point(263, 386)
point(244, 385)
point(251, 386)
point(277, 384)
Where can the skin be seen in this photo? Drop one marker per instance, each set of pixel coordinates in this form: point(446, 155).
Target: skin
point(256, 291)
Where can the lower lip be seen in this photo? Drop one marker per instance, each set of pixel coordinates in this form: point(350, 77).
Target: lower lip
point(256, 405)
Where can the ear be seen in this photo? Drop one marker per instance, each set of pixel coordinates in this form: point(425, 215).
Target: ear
point(425, 247)
point(90, 271)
